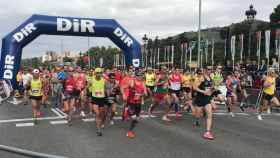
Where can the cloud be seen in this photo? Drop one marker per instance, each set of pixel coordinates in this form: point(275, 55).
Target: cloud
point(153, 17)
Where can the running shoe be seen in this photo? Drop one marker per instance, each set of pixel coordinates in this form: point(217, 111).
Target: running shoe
point(196, 123)
point(99, 133)
point(130, 134)
point(232, 114)
point(242, 107)
point(269, 110)
point(260, 117)
point(112, 122)
point(165, 118)
point(178, 115)
point(83, 114)
point(102, 126)
point(208, 135)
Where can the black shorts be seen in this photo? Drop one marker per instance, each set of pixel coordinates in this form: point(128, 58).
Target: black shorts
point(152, 88)
point(100, 102)
point(76, 93)
point(134, 109)
point(68, 96)
point(186, 89)
point(110, 100)
point(38, 98)
point(267, 97)
point(202, 101)
point(177, 92)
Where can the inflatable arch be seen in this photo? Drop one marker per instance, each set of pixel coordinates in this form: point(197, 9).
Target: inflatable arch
point(14, 42)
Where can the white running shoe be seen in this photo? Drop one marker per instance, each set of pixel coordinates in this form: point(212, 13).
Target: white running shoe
point(232, 114)
point(112, 122)
point(83, 114)
point(269, 110)
point(260, 117)
point(165, 118)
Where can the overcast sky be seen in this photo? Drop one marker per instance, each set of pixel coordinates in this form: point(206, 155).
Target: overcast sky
point(153, 17)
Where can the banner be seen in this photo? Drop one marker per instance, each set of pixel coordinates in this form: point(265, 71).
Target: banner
point(241, 39)
point(267, 43)
point(277, 42)
point(5, 90)
point(212, 54)
point(259, 39)
point(232, 47)
point(206, 51)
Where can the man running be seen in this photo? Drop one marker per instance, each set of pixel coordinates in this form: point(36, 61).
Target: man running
point(98, 99)
point(68, 95)
point(137, 90)
point(175, 83)
point(150, 79)
point(36, 94)
point(161, 96)
point(112, 90)
point(232, 84)
point(80, 91)
point(269, 87)
point(187, 90)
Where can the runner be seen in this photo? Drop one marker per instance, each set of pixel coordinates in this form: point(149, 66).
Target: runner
point(112, 90)
point(68, 95)
point(161, 96)
point(150, 79)
point(36, 94)
point(137, 90)
point(98, 99)
point(187, 91)
point(203, 100)
point(46, 88)
point(80, 91)
point(175, 83)
point(233, 84)
point(269, 87)
point(124, 87)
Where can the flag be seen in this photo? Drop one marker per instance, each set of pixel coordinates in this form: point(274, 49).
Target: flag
point(277, 42)
point(233, 38)
point(267, 43)
point(241, 39)
point(259, 38)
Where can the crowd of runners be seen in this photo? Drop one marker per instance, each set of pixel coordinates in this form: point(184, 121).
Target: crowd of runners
point(100, 92)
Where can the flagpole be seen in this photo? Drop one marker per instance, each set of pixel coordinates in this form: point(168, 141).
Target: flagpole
point(158, 57)
point(212, 56)
point(172, 55)
point(190, 56)
point(182, 54)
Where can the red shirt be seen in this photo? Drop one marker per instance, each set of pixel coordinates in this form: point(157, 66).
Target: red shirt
point(136, 92)
point(69, 84)
point(80, 81)
point(118, 76)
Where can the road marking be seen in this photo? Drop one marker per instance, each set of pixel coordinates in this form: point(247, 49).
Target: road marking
point(59, 122)
point(89, 120)
point(29, 119)
point(63, 113)
point(57, 113)
point(25, 124)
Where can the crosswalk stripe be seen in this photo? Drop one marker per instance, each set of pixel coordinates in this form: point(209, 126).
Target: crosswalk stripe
point(29, 124)
point(59, 122)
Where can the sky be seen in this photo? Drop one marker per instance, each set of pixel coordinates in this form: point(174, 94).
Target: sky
point(161, 18)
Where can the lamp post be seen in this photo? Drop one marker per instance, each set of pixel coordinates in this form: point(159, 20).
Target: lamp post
point(145, 39)
point(251, 13)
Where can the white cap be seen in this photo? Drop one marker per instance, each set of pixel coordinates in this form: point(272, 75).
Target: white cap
point(36, 71)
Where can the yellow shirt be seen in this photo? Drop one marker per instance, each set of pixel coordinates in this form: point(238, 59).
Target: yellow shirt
point(19, 77)
point(150, 79)
point(98, 88)
point(36, 88)
point(186, 80)
point(271, 89)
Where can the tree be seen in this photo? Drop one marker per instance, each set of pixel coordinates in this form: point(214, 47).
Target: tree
point(275, 15)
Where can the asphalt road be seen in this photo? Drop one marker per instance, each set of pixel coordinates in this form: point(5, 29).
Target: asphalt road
point(240, 137)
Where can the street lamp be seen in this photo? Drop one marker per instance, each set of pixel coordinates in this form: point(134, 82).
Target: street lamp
point(145, 39)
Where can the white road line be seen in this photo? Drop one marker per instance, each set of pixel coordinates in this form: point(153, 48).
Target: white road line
point(63, 113)
point(59, 122)
point(89, 120)
point(56, 112)
point(25, 124)
point(29, 119)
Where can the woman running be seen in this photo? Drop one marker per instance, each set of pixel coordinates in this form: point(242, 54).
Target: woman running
point(36, 93)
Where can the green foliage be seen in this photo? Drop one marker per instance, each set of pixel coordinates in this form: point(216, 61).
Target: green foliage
point(275, 16)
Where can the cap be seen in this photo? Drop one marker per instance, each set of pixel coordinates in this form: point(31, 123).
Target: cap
point(98, 70)
point(36, 71)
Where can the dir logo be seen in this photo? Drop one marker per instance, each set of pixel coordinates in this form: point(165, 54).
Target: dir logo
point(123, 36)
point(24, 32)
point(76, 25)
point(9, 67)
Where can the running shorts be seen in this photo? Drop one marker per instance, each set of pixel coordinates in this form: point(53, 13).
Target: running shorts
point(100, 102)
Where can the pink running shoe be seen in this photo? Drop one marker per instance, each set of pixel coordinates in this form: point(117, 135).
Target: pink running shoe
point(208, 135)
